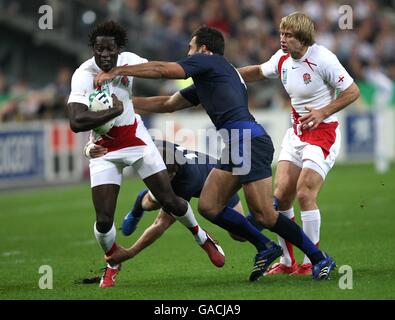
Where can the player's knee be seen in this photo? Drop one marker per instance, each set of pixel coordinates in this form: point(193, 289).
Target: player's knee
point(104, 220)
point(305, 196)
point(175, 205)
point(266, 217)
point(167, 201)
point(208, 210)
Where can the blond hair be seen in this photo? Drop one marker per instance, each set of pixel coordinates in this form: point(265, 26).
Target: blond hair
point(301, 26)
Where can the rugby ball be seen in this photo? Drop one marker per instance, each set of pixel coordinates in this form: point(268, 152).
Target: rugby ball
point(101, 100)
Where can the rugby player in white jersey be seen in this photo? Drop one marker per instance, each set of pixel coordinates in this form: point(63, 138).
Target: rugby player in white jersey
point(311, 75)
point(126, 144)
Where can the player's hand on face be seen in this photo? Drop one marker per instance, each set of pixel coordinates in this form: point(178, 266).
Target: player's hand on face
point(116, 103)
point(97, 151)
point(312, 119)
point(104, 77)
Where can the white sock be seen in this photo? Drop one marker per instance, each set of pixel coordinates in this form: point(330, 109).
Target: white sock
point(106, 241)
point(311, 220)
point(189, 220)
point(286, 258)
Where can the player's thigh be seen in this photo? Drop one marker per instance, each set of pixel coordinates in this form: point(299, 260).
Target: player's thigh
point(106, 178)
point(309, 184)
point(159, 185)
point(218, 188)
point(150, 162)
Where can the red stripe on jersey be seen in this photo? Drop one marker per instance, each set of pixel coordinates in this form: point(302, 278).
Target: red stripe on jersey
point(280, 63)
point(295, 115)
point(324, 136)
point(121, 137)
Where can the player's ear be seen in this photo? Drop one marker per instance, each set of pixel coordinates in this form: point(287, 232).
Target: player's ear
point(204, 49)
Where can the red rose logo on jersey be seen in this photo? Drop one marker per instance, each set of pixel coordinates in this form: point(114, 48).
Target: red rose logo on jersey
point(306, 78)
point(125, 81)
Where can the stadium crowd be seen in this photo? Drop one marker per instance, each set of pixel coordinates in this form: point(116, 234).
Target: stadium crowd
point(160, 30)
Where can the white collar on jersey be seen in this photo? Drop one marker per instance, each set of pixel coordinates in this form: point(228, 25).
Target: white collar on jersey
point(307, 53)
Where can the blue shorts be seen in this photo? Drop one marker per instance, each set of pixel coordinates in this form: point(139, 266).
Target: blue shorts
point(250, 161)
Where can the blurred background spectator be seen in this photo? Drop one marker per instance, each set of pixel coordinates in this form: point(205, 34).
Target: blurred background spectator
point(36, 65)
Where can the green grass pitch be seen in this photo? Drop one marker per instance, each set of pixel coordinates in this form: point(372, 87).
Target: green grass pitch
point(54, 226)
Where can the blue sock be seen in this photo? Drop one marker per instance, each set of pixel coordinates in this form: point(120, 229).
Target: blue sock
point(138, 210)
point(232, 221)
point(290, 231)
point(255, 223)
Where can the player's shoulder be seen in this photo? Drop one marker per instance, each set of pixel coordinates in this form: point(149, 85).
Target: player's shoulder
point(279, 54)
point(130, 58)
point(322, 54)
point(205, 57)
point(85, 71)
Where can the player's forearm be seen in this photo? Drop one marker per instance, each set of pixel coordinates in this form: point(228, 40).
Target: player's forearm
point(87, 120)
point(152, 69)
point(344, 99)
point(149, 236)
point(153, 104)
point(251, 73)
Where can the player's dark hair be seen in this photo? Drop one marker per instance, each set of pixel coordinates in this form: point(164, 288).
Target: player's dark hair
point(212, 38)
point(109, 29)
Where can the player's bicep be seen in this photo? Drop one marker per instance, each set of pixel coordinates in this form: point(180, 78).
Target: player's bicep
point(75, 109)
point(174, 71)
point(336, 75)
point(81, 86)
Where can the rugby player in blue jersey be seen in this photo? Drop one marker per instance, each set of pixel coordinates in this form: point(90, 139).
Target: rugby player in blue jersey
point(220, 89)
point(188, 170)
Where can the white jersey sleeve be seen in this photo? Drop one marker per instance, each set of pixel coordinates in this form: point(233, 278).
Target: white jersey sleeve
point(270, 68)
point(130, 58)
point(334, 73)
point(133, 58)
point(81, 87)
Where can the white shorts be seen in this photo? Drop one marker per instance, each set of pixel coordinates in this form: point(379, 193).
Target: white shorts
point(146, 160)
point(304, 154)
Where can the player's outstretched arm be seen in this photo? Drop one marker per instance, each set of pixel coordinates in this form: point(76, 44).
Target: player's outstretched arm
point(161, 104)
point(152, 70)
point(162, 222)
point(251, 73)
point(82, 119)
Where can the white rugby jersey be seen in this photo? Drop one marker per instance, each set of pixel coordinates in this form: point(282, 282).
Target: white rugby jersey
point(82, 85)
point(311, 80)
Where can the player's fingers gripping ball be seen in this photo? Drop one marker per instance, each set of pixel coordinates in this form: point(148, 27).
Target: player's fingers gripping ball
point(101, 100)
